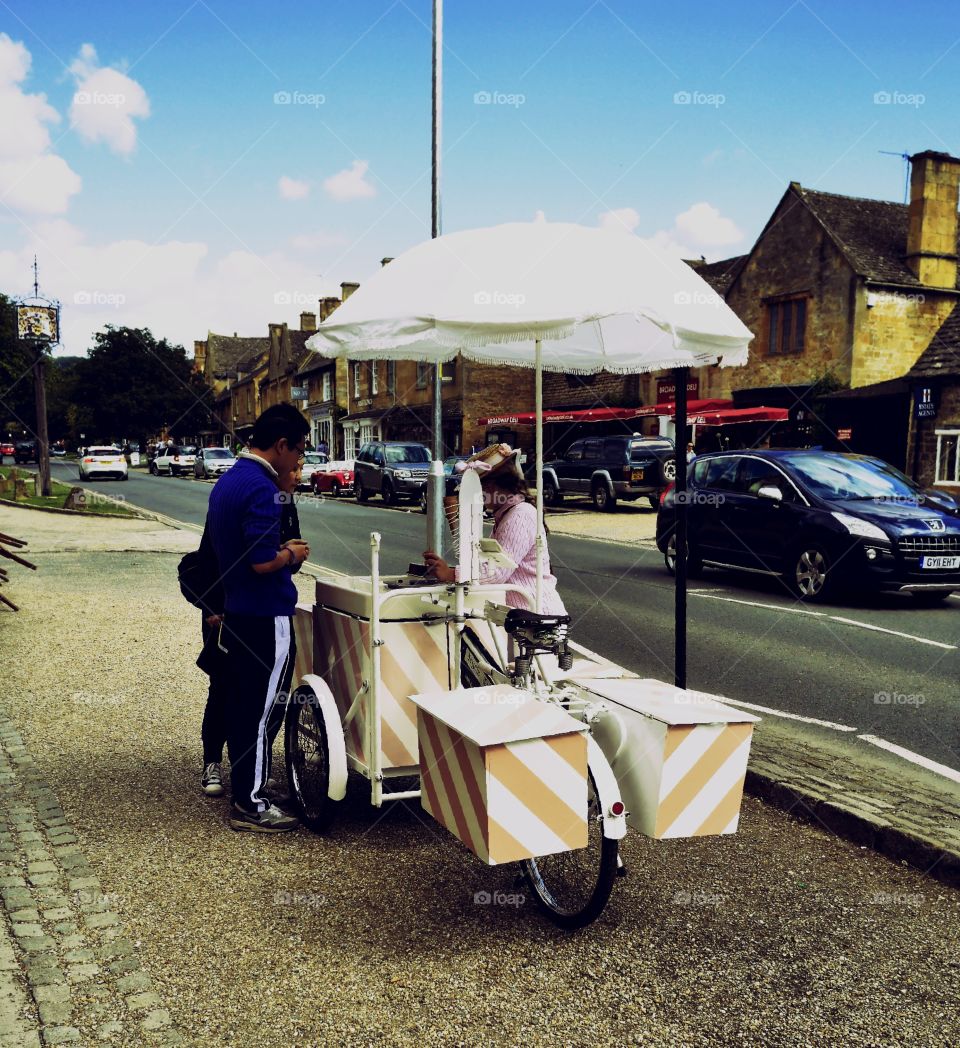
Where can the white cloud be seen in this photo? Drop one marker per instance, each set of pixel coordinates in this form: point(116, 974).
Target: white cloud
point(540, 215)
point(293, 189)
point(699, 230)
point(106, 103)
point(704, 225)
point(32, 178)
point(622, 218)
point(351, 183)
point(178, 289)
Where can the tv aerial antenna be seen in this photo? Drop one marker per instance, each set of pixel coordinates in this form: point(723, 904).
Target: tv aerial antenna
point(905, 157)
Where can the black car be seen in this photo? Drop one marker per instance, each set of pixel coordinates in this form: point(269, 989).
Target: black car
point(393, 469)
point(610, 468)
point(819, 520)
point(25, 451)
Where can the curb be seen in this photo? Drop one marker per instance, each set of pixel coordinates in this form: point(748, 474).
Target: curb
point(71, 512)
point(858, 827)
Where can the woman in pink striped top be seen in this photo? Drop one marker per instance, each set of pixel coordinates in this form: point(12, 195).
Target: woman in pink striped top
point(505, 494)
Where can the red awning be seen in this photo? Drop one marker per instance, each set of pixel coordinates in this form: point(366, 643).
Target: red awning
point(728, 416)
point(529, 418)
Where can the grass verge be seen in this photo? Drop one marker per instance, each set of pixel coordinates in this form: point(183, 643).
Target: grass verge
point(89, 502)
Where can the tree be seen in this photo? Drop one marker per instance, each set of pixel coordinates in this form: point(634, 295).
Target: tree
point(131, 385)
point(17, 407)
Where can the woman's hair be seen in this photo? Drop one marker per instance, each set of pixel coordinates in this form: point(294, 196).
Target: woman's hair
point(511, 482)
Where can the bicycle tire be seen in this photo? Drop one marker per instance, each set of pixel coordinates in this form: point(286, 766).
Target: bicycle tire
point(582, 907)
point(308, 766)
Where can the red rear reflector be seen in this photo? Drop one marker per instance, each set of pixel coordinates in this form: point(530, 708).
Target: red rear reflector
point(666, 491)
point(617, 808)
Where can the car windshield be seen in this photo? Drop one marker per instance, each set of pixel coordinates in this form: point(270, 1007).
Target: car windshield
point(103, 451)
point(407, 453)
point(843, 477)
point(640, 449)
point(315, 458)
point(218, 453)
point(188, 451)
point(331, 466)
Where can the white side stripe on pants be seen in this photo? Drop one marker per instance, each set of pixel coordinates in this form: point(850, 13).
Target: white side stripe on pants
point(281, 652)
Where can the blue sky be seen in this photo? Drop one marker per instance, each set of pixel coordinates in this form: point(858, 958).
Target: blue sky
point(182, 196)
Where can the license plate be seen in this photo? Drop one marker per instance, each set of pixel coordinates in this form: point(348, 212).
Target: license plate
point(940, 562)
point(105, 462)
point(636, 475)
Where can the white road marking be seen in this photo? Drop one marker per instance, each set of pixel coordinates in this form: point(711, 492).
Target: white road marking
point(830, 618)
point(789, 716)
point(916, 758)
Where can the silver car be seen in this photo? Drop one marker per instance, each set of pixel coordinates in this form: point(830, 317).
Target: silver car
point(212, 462)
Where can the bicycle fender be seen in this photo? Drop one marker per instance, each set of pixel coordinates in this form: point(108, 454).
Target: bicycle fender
point(614, 826)
point(337, 787)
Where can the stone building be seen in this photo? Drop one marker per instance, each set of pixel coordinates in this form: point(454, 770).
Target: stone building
point(227, 363)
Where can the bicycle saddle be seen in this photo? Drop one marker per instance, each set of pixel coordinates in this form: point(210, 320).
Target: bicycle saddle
point(520, 618)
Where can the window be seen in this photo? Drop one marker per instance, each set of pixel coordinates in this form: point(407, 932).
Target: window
point(717, 473)
point(449, 371)
point(756, 474)
point(327, 386)
point(786, 326)
point(356, 379)
point(423, 375)
point(575, 451)
point(391, 376)
point(593, 449)
point(374, 378)
point(948, 457)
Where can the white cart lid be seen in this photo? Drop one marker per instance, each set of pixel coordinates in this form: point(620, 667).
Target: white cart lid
point(664, 702)
point(497, 714)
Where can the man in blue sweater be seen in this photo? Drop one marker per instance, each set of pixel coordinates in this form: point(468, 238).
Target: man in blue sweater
point(259, 602)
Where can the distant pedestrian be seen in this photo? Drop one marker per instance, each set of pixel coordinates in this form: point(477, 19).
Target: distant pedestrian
point(260, 599)
point(323, 447)
point(691, 454)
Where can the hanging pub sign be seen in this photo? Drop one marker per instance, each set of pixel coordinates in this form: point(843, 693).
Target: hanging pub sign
point(299, 393)
point(924, 402)
point(38, 323)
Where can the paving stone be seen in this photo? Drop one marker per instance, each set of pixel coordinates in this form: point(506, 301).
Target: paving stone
point(58, 913)
point(78, 884)
point(124, 964)
point(82, 972)
point(110, 1030)
point(156, 1020)
point(41, 867)
point(52, 992)
point(135, 983)
point(143, 1001)
point(27, 930)
point(56, 1013)
point(43, 879)
point(38, 944)
point(61, 1035)
point(25, 915)
point(102, 920)
point(66, 928)
point(45, 976)
point(13, 881)
point(121, 947)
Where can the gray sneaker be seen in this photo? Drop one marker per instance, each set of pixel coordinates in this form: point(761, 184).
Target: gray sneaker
point(211, 780)
point(270, 820)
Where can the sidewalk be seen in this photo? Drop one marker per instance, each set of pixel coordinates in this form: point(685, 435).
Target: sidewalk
point(385, 930)
point(634, 523)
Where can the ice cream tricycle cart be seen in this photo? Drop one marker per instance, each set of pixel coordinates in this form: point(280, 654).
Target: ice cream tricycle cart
point(528, 748)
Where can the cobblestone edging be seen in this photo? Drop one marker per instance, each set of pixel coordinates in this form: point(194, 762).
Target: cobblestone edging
point(82, 981)
point(923, 832)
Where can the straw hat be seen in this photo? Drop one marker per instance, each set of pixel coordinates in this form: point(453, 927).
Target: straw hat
point(492, 460)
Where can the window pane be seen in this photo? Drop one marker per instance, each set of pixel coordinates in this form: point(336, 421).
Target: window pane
point(774, 317)
point(786, 316)
point(800, 328)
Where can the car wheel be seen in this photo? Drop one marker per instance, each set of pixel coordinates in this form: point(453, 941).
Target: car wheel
point(602, 499)
point(669, 469)
point(124, 476)
point(387, 493)
point(335, 489)
point(153, 469)
point(551, 493)
point(694, 560)
point(362, 493)
point(810, 573)
point(654, 501)
point(929, 600)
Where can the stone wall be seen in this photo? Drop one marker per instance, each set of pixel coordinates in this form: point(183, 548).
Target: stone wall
point(948, 417)
point(490, 391)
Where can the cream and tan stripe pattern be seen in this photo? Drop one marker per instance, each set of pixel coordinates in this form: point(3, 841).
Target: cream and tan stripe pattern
point(701, 786)
point(507, 801)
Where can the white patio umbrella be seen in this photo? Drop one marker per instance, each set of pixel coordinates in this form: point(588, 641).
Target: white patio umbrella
point(545, 295)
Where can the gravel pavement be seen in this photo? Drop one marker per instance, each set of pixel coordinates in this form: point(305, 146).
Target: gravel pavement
point(388, 930)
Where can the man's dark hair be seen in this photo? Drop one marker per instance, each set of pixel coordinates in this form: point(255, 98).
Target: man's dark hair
point(280, 420)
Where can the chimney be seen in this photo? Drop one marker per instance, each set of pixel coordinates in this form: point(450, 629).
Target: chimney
point(932, 233)
point(308, 321)
point(384, 261)
point(347, 289)
point(327, 306)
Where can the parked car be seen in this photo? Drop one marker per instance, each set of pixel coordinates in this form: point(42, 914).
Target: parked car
point(312, 461)
point(58, 452)
point(393, 469)
point(819, 520)
point(174, 460)
point(212, 462)
point(6, 448)
point(610, 468)
point(334, 478)
point(105, 460)
point(451, 479)
point(25, 451)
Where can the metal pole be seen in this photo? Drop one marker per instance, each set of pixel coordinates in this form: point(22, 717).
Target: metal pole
point(538, 407)
point(680, 494)
point(435, 481)
point(40, 395)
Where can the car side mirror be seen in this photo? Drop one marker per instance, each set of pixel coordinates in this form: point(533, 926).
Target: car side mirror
point(770, 491)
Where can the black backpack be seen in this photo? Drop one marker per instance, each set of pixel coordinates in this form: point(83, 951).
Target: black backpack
point(199, 576)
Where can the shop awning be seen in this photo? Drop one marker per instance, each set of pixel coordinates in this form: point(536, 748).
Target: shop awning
point(729, 416)
point(529, 418)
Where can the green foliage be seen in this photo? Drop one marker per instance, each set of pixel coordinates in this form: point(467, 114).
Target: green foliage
point(16, 380)
point(131, 385)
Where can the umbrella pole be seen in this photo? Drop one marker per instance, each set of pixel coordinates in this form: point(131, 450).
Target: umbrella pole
point(680, 376)
point(538, 401)
point(435, 483)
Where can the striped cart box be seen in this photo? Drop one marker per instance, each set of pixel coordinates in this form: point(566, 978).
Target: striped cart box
point(303, 636)
point(504, 772)
point(680, 756)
